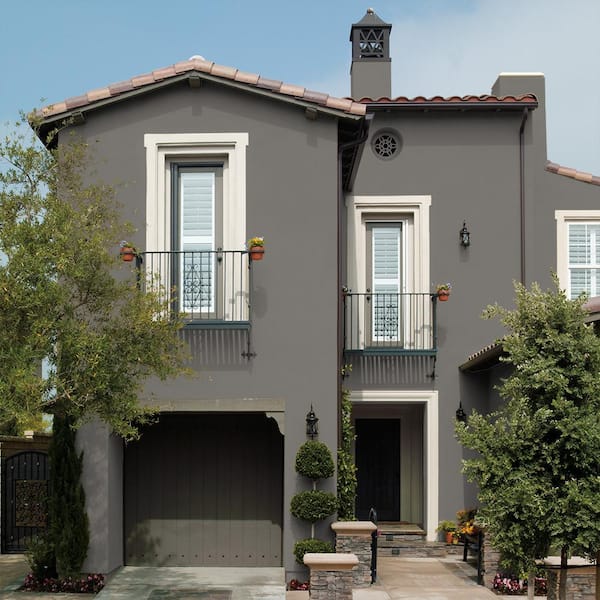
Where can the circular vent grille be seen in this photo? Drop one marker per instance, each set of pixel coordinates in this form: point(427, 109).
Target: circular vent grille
point(386, 144)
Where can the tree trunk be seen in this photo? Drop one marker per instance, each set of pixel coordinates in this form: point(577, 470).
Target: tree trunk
point(531, 584)
point(562, 585)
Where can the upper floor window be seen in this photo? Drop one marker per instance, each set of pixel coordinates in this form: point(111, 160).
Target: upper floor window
point(578, 252)
point(196, 223)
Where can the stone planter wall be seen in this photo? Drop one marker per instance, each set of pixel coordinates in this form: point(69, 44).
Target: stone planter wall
point(490, 562)
point(355, 537)
point(581, 583)
point(331, 575)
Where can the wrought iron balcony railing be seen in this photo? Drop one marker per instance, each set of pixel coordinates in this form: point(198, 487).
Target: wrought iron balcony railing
point(208, 287)
point(390, 323)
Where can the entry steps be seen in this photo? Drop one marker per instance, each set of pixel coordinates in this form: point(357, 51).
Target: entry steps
point(408, 541)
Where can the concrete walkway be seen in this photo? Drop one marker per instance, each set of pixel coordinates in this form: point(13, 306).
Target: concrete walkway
point(434, 578)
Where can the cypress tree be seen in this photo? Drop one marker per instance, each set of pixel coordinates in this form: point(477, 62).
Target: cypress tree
point(69, 528)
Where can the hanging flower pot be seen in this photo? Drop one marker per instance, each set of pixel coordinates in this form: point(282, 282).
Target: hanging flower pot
point(443, 292)
point(127, 252)
point(256, 248)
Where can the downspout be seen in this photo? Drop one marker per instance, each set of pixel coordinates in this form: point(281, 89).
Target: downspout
point(361, 139)
point(522, 188)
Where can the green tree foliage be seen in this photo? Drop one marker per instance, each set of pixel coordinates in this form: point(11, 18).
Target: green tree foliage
point(313, 505)
point(346, 480)
point(301, 547)
point(67, 298)
point(538, 464)
point(69, 531)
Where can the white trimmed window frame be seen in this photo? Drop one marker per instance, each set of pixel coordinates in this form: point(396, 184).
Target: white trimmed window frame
point(563, 219)
point(430, 444)
point(413, 212)
point(165, 148)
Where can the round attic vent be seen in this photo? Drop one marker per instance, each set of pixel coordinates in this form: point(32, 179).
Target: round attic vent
point(386, 143)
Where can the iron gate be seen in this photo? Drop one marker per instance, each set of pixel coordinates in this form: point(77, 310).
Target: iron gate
point(24, 499)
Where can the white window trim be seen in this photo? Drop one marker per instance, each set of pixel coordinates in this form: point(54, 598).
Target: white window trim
point(431, 442)
point(161, 148)
point(563, 219)
point(417, 263)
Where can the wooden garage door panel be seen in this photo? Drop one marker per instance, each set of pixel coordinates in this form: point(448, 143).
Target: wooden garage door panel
point(205, 490)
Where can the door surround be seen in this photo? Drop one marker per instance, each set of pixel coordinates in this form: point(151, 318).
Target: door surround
point(431, 440)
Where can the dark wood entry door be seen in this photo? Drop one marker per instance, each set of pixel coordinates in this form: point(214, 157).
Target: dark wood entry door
point(378, 463)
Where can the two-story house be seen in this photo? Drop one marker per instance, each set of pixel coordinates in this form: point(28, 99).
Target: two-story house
point(365, 204)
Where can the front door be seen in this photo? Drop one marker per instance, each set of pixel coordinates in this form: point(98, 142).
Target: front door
point(378, 464)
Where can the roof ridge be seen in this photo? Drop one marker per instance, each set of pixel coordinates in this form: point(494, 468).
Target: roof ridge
point(113, 90)
point(553, 167)
point(455, 98)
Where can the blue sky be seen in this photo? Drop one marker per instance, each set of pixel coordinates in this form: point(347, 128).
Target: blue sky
point(54, 50)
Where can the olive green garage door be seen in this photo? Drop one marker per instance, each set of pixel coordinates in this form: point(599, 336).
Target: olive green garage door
point(205, 489)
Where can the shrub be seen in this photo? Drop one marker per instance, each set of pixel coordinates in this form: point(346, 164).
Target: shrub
point(301, 547)
point(41, 557)
point(314, 460)
point(88, 584)
point(346, 467)
point(313, 505)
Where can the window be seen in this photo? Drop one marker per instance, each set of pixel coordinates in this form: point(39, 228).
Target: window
point(578, 252)
point(388, 302)
point(196, 222)
point(197, 232)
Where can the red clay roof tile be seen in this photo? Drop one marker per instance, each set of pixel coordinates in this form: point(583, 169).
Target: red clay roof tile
point(572, 173)
point(451, 100)
point(198, 64)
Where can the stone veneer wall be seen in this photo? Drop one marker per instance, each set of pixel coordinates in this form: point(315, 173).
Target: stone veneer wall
point(355, 537)
point(490, 562)
point(331, 575)
point(581, 584)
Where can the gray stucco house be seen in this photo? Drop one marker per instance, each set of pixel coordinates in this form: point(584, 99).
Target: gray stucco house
point(363, 204)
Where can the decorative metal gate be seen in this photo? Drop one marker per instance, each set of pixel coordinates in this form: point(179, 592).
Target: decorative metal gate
point(24, 499)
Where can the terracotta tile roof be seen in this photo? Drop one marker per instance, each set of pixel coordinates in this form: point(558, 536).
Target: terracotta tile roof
point(453, 101)
point(572, 173)
point(210, 68)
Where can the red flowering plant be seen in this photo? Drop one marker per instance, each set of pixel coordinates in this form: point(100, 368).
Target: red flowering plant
point(295, 584)
point(90, 584)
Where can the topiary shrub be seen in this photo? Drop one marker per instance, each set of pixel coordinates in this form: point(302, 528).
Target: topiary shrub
point(301, 547)
point(314, 460)
point(313, 505)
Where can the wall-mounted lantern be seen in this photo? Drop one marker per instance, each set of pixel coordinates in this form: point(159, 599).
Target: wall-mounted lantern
point(312, 424)
point(460, 414)
point(464, 236)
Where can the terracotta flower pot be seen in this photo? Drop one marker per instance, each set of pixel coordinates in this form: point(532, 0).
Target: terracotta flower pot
point(127, 253)
point(443, 296)
point(449, 537)
point(257, 252)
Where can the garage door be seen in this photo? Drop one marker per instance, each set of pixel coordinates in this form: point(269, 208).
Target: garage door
point(205, 489)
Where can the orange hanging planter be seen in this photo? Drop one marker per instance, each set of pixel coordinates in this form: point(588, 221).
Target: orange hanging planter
point(257, 252)
point(443, 292)
point(443, 296)
point(127, 252)
point(256, 247)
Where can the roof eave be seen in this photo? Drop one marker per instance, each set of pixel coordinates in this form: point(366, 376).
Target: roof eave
point(452, 106)
point(47, 123)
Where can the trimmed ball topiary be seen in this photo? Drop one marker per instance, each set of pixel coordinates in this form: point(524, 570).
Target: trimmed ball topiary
point(301, 547)
point(314, 460)
point(313, 505)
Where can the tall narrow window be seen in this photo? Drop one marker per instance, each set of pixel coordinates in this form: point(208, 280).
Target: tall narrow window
point(385, 257)
point(584, 259)
point(197, 237)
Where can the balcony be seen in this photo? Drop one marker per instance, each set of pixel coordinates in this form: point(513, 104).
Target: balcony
point(390, 323)
point(209, 288)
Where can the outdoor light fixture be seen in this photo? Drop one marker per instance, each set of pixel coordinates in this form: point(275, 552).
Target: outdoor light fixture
point(312, 427)
point(460, 414)
point(464, 235)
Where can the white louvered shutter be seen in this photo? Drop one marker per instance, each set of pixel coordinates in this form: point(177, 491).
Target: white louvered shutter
point(584, 259)
point(386, 281)
point(197, 239)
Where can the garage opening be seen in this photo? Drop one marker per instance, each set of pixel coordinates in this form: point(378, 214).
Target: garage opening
point(205, 489)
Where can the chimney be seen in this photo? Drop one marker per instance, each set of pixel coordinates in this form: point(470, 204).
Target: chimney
point(371, 71)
